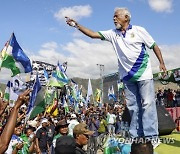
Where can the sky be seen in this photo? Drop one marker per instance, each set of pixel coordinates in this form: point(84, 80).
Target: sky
point(41, 31)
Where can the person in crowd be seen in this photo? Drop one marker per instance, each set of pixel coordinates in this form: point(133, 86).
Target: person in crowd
point(130, 43)
point(111, 120)
point(65, 145)
point(142, 148)
point(170, 98)
point(102, 130)
point(50, 132)
point(11, 123)
point(119, 112)
point(93, 125)
point(16, 143)
point(61, 129)
point(81, 135)
point(29, 142)
point(42, 138)
point(72, 123)
point(160, 97)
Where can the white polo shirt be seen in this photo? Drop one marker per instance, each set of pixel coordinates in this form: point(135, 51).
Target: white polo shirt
point(133, 59)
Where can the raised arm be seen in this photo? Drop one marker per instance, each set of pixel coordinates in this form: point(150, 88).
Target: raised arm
point(84, 30)
point(9, 128)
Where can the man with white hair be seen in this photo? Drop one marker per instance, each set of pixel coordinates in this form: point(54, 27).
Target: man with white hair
point(72, 123)
point(130, 43)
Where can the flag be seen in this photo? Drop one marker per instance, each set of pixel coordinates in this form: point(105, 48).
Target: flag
point(59, 77)
point(66, 107)
point(46, 75)
point(74, 90)
point(111, 94)
point(39, 105)
point(18, 86)
point(98, 95)
point(49, 95)
point(52, 109)
point(89, 92)
point(13, 88)
point(120, 85)
point(7, 91)
point(36, 89)
point(14, 58)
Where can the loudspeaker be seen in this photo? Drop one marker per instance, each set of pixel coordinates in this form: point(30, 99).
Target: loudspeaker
point(165, 122)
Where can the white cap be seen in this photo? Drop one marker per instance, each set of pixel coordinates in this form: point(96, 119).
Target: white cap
point(73, 116)
point(44, 120)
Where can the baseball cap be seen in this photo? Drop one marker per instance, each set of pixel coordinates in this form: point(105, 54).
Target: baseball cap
point(81, 128)
point(73, 116)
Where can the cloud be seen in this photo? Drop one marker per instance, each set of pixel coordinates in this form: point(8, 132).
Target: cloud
point(75, 12)
point(83, 56)
point(161, 5)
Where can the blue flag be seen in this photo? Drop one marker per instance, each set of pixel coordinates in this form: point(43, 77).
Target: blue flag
point(14, 58)
point(111, 94)
point(36, 89)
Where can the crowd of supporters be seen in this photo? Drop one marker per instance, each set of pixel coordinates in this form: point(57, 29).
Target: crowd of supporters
point(168, 97)
point(64, 133)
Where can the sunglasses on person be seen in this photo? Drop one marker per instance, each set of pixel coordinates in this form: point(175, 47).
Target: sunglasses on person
point(87, 136)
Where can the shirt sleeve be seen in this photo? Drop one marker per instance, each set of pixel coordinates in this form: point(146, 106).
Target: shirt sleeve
point(106, 35)
point(146, 37)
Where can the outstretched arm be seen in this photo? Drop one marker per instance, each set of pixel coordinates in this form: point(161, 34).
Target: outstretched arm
point(9, 128)
point(83, 29)
point(158, 54)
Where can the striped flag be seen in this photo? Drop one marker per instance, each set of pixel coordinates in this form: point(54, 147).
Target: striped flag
point(14, 58)
point(59, 77)
point(111, 94)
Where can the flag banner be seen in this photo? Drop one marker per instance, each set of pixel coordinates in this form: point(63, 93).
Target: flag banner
point(13, 88)
point(40, 103)
point(18, 86)
point(7, 91)
point(120, 85)
point(89, 92)
point(14, 58)
point(49, 95)
point(46, 75)
point(111, 94)
point(44, 71)
point(74, 90)
point(65, 105)
point(59, 77)
point(171, 76)
point(36, 89)
point(98, 95)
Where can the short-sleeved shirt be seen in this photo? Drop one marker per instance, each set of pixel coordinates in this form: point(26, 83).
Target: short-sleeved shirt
point(42, 136)
point(111, 118)
point(130, 48)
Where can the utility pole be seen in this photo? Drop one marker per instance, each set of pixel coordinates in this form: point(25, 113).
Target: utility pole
point(101, 67)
